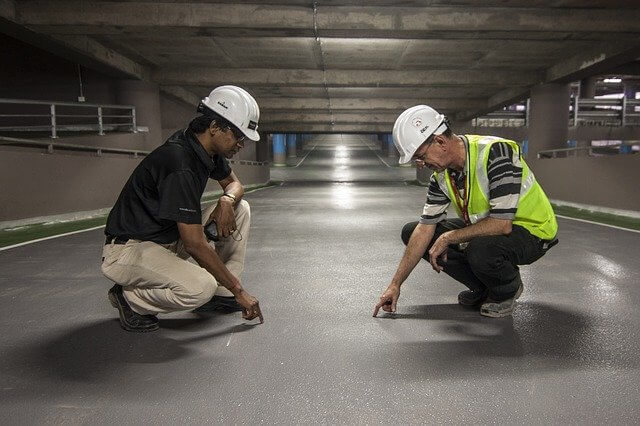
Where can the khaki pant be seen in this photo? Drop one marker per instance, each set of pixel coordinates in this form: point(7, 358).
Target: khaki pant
point(158, 278)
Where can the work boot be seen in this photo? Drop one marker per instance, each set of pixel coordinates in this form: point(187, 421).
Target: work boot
point(130, 320)
point(472, 297)
point(495, 309)
point(222, 304)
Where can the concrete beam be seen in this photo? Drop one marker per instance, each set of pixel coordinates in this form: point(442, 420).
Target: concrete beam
point(181, 94)
point(8, 9)
point(328, 118)
point(499, 100)
point(324, 128)
point(392, 20)
point(601, 59)
point(100, 53)
point(296, 104)
point(80, 49)
point(205, 76)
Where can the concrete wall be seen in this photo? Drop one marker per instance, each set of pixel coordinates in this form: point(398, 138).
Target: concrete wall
point(598, 181)
point(37, 184)
point(39, 75)
point(174, 115)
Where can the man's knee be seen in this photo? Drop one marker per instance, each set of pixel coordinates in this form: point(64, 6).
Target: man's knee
point(483, 254)
point(243, 208)
point(199, 292)
point(407, 230)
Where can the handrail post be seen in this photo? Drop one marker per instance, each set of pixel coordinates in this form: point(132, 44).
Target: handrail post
point(100, 128)
point(526, 115)
point(54, 130)
point(134, 126)
point(623, 118)
point(575, 110)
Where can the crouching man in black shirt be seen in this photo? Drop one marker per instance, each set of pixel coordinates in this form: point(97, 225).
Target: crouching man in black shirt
point(157, 222)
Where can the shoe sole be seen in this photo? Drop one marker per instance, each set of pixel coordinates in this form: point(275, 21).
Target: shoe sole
point(496, 314)
point(123, 323)
point(505, 312)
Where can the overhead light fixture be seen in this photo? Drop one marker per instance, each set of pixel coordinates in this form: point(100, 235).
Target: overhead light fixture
point(613, 80)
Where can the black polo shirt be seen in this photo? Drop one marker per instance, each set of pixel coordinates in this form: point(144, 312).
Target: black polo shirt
point(164, 189)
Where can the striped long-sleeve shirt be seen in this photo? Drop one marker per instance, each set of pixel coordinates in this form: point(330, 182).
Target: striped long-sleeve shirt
point(505, 178)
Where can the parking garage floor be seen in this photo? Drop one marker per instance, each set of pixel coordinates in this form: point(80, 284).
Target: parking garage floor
point(323, 246)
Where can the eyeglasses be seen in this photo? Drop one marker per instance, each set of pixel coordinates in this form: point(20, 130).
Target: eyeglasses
point(240, 137)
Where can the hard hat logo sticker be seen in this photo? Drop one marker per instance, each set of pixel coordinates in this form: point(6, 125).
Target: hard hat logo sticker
point(417, 122)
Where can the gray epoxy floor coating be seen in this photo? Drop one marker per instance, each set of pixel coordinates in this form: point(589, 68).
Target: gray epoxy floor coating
point(319, 256)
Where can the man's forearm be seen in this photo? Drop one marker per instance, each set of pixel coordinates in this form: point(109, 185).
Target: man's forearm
point(416, 247)
point(236, 189)
point(207, 258)
point(485, 227)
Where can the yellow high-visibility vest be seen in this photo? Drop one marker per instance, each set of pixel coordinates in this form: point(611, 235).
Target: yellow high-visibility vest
point(534, 212)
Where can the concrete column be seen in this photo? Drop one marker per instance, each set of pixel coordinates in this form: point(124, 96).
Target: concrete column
point(146, 98)
point(262, 148)
point(300, 145)
point(392, 152)
point(382, 142)
point(291, 145)
point(549, 117)
point(588, 87)
point(279, 150)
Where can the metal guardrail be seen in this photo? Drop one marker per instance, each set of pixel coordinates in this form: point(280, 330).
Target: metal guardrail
point(100, 118)
point(51, 147)
point(606, 112)
point(592, 151)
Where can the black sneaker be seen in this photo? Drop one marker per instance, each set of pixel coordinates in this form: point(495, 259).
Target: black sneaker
point(130, 320)
point(222, 304)
point(472, 298)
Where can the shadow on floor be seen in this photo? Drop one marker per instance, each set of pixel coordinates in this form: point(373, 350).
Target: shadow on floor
point(100, 351)
point(539, 338)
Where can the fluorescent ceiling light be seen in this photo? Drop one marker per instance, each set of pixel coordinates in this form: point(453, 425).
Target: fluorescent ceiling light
point(613, 80)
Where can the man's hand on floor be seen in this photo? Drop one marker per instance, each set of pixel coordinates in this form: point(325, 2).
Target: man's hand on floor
point(388, 300)
point(250, 306)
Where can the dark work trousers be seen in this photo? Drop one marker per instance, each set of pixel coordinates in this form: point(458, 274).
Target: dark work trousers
point(487, 262)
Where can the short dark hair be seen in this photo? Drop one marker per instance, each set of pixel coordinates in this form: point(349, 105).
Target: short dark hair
point(202, 122)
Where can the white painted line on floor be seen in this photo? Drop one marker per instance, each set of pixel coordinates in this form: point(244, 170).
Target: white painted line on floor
point(363, 139)
point(598, 223)
point(305, 157)
point(51, 237)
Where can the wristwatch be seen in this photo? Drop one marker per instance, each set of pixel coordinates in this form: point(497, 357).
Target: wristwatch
point(233, 197)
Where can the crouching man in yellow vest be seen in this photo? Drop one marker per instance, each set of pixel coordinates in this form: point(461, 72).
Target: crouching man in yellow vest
point(505, 218)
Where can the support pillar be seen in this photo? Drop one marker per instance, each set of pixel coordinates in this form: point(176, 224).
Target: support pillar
point(262, 148)
point(146, 98)
point(588, 87)
point(549, 117)
point(279, 150)
point(392, 152)
point(291, 145)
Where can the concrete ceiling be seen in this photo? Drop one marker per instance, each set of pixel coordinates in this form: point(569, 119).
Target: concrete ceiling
point(337, 65)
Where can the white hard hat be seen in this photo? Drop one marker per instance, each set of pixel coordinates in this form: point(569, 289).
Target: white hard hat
point(237, 106)
point(413, 127)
